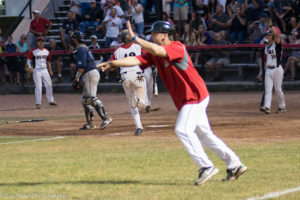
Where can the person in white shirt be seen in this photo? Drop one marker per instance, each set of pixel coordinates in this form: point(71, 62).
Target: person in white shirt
point(113, 27)
point(41, 59)
point(137, 16)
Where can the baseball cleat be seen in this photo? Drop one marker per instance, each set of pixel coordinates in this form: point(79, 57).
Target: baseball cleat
point(38, 106)
point(148, 109)
point(138, 131)
point(53, 103)
point(88, 127)
point(265, 110)
point(205, 173)
point(234, 174)
point(281, 110)
point(105, 123)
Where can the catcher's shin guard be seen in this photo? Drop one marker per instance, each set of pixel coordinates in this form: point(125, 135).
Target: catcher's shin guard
point(88, 111)
point(98, 105)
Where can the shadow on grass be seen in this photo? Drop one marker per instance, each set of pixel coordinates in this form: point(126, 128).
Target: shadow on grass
point(107, 182)
point(16, 109)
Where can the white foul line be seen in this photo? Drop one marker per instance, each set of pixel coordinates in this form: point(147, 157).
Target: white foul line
point(276, 194)
point(34, 140)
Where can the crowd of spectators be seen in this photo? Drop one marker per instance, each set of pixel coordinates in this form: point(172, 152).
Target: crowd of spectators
point(197, 22)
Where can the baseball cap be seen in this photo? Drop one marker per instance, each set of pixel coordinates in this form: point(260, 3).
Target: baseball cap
point(92, 1)
point(263, 14)
point(40, 38)
point(93, 37)
point(36, 11)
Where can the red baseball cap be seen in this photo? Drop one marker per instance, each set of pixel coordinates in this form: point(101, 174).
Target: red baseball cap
point(40, 38)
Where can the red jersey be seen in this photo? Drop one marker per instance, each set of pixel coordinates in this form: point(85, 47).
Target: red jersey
point(178, 74)
point(40, 25)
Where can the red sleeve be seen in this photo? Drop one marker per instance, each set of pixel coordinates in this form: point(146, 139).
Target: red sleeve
point(45, 21)
point(146, 59)
point(30, 55)
point(175, 52)
point(49, 58)
point(113, 56)
point(31, 25)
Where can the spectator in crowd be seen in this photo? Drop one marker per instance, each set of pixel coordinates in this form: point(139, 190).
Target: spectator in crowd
point(75, 7)
point(201, 8)
point(258, 28)
point(95, 46)
point(69, 25)
point(203, 38)
point(237, 24)
point(12, 64)
point(124, 4)
point(117, 42)
point(22, 48)
point(253, 9)
point(219, 58)
point(196, 20)
point(167, 18)
point(137, 16)
point(57, 60)
point(293, 61)
point(113, 27)
point(189, 37)
point(280, 11)
point(166, 4)
point(218, 23)
point(296, 10)
point(39, 26)
point(293, 25)
point(2, 63)
point(112, 4)
point(92, 17)
point(84, 4)
point(181, 8)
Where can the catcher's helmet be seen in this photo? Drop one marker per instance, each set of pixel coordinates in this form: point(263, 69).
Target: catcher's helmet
point(124, 37)
point(77, 35)
point(161, 27)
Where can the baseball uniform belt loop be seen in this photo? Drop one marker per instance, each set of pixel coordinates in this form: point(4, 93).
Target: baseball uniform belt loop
point(271, 67)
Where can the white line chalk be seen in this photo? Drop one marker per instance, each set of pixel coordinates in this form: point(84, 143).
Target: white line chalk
point(276, 194)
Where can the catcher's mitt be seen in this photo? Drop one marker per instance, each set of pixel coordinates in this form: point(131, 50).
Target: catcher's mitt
point(77, 85)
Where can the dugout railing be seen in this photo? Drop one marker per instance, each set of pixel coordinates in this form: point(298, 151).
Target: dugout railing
point(242, 66)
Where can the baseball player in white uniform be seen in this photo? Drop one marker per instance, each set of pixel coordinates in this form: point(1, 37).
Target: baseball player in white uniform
point(274, 71)
point(133, 81)
point(41, 59)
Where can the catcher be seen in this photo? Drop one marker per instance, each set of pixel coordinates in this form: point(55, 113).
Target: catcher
point(133, 81)
point(87, 78)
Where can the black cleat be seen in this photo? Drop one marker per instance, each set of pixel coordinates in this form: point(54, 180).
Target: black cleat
point(38, 106)
point(148, 109)
point(53, 104)
point(138, 131)
point(234, 174)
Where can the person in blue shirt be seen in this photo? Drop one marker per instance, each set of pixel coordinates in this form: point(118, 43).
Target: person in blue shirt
point(89, 75)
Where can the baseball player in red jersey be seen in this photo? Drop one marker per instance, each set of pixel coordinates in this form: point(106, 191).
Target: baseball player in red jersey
point(190, 96)
point(133, 81)
point(41, 59)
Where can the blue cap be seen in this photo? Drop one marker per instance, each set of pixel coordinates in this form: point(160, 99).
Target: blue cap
point(263, 14)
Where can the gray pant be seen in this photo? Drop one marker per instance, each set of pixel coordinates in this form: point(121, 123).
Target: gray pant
point(91, 80)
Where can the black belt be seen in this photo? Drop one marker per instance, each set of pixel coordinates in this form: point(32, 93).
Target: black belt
point(273, 67)
point(136, 72)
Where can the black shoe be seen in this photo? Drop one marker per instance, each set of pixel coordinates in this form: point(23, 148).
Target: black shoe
point(38, 106)
point(265, 110)
point(53, 104)
point(234, 174)
point(205, 173)
point(281, 110)
point(138, 131)
point(148, 109)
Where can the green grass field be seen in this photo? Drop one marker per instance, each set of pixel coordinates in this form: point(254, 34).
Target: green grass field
point(138, 168)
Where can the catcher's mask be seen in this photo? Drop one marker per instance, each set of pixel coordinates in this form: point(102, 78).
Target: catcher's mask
point(78, 36)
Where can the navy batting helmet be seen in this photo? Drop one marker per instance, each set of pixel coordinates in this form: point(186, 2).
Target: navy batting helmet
point(77, 35)
point(124, 37)
point(161, 27)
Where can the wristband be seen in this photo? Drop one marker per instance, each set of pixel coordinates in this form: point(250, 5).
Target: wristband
point(134, 38)
point(78, 75)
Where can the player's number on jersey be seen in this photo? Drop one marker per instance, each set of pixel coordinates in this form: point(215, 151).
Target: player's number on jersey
point(130, 54)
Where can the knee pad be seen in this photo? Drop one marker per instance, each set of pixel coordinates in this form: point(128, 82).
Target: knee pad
point(96, 102)
point(86, 100)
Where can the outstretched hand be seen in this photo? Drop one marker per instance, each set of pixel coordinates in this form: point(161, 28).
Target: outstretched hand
point(104, 66)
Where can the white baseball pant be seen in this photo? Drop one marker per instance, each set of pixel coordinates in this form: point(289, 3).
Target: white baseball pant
point(131, 85)
point(91, 80)
point(193, 130)
point(41, 76)
point(274, 77)
point(149, 85)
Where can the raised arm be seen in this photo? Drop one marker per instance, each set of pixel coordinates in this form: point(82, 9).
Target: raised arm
point(275, 34)
point(150, 47)
point(125, 62)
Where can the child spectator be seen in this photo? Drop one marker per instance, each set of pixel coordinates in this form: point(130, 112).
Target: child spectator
point(22, 48)
point(12, 63)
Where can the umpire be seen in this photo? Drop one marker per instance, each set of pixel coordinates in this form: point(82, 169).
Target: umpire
point(88, 74)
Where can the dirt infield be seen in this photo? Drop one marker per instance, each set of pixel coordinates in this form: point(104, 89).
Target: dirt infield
point(233, 116)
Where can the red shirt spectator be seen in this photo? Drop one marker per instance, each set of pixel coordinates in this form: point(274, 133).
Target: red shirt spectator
point(38, 24)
